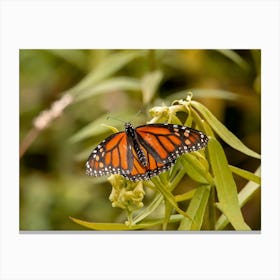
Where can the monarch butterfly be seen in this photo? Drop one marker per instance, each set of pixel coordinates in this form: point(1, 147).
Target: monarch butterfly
point(143, 152)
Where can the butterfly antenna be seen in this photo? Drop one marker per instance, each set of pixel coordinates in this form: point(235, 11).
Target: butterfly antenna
point(138, 113)
point(114, 118)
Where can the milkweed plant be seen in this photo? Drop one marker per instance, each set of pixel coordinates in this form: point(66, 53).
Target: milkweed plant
point(212, 203)
point(215, 186)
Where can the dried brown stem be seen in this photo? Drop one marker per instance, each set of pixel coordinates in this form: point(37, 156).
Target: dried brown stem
point(43, 120)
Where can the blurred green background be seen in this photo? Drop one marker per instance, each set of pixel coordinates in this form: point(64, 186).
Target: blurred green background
point(53, 184)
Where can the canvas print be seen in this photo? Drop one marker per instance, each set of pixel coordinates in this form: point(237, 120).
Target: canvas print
point(140, 140)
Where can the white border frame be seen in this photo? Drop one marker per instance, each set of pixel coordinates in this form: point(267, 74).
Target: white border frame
point(139, 24)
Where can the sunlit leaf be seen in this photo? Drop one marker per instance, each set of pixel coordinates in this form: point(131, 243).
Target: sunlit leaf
point(168, 209)
point(150, 84)
point(196, 209)
point(119, 226)
point(98, 127)
point(245, 174)
point(185, 196)
point(225, 185)
point(223, 132)
point(145, 212)
point(109, 86)
point(200, 93)
point(105, 69)
point(165, 191)
point(195, 169)
point(244, 195)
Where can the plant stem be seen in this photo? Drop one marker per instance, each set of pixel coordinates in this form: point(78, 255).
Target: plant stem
point(212, 208)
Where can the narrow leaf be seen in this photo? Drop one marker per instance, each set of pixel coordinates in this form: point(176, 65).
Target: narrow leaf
point(245, 174)
point(149, 85)
point(119, 226)
point(235, 57)
point(185, 196)
point(225, 185)
point(105, 69)
point(143, 213)
point(243, 197)
point(168, 211)
point(109, 86)
point(223, 132)
point(195, 169)
point(97, 127)
point(202, 93)
point(196, 209)
point(78, 58)
point(165, 191)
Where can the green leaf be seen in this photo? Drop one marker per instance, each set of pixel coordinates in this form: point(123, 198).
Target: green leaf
point(105, 69)
point(143, 213)
point(78, 58)
point(195, 169)
point(223, 132)
point(185, 196)
point(97, 127)
point(243, 197)
point(150, 84)
point(196, 209)
point(163, 188)
point(168, 211)
point(225, 185)
point(203, 93)
point(109, 86)
point(100, 226)
point(119, 226)
point(235, 57)
point(245, 174)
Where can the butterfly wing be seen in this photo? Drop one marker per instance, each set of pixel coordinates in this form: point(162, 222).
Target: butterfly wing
point(166, 142)
point(111, 156)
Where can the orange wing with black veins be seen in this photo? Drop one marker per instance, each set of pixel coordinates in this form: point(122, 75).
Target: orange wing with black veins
point(110, 156)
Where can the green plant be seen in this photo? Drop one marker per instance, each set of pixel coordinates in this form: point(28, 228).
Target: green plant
point(198, 193)
point(208, 168)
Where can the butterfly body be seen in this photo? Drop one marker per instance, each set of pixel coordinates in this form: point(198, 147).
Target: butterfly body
point(143, 152)
point(133, 142)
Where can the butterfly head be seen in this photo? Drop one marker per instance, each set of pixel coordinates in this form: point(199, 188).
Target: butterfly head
point(129, 129)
